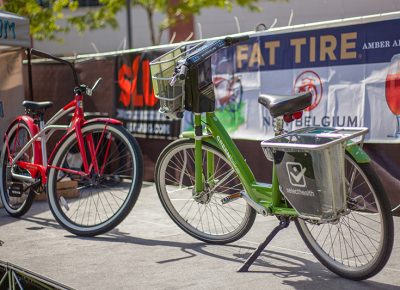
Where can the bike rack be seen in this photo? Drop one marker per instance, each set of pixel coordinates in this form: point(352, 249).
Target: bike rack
point(13, 277)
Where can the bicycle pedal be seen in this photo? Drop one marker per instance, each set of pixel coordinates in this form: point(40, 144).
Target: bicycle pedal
point(230, 198)
point(36, 187)
point(64, 203)
point(16, 189)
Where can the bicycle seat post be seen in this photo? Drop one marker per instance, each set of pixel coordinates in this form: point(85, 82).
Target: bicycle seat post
point(278, 126)
point(43, 138)
point(41, 120)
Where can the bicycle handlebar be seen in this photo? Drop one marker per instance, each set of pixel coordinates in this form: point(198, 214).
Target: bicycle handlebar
point(211, 47)
point(203, 52)
point(46, 55)
point(183, 72)
point(233, 40)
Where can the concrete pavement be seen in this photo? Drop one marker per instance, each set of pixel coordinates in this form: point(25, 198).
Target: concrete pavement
point(148, 251)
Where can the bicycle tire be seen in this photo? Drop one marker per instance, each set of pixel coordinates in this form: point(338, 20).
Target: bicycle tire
point(213, 214)
point(354, 262)
point(15, 210)
point(99, 186)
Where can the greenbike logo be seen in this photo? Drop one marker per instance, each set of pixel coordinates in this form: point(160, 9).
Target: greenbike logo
point(222, 145)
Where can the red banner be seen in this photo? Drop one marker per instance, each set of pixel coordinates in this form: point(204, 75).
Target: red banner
point(137, 105)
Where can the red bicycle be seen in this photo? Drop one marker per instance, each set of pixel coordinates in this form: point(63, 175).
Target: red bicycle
point(98, 157)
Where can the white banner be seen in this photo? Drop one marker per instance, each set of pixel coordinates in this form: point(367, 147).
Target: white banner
point(353, 72)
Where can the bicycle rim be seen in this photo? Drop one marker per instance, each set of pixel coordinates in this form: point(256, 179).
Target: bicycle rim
point(18, 136)
point(358, 245)
point(99, 202)
point(202, 215)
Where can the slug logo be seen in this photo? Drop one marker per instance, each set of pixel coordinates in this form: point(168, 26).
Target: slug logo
point(309, 81)
point(135, 84)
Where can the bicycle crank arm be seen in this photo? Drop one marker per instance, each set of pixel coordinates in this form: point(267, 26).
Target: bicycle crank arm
point(258, 208)
point(35, 184)
point(22, 177)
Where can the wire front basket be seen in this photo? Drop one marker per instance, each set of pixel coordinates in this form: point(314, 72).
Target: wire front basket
point(172, 98)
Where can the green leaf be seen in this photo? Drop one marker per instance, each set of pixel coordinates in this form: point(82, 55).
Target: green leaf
point(46, 21)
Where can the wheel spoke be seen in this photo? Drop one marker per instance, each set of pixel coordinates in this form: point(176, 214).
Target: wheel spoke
point(354, 245)
point(99, 199)
point(202, 213)
point(17, 137)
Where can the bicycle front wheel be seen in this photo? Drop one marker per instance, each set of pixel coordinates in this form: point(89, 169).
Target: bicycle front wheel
point(202, 215)
point(358, 245)
point(94, 204)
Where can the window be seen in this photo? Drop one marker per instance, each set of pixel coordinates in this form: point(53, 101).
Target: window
point(84, 3)
point(44, 3)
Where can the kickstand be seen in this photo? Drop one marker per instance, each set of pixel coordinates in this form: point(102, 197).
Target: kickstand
point(284, 223)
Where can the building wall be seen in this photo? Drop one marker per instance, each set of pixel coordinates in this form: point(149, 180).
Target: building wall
point(106, 39)
point(216, 22)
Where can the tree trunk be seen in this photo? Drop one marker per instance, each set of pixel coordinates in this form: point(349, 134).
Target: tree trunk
point(151, 26)
point(160, 32)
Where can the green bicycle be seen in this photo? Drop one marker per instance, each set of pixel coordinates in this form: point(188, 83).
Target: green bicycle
point(322, 179)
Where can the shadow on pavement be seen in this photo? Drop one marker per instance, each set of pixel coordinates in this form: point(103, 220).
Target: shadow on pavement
point(287, 267)
point(280, 264)
point(37, 208)
point(42, 223)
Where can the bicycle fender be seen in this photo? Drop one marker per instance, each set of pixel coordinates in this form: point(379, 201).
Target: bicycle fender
point(191, 135)
point(103, 120)
point(28, 120)
point(34, 129)
point(359, 155)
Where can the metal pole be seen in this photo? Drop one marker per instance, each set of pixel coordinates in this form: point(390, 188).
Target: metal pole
point(129, 23)
point(28, 52)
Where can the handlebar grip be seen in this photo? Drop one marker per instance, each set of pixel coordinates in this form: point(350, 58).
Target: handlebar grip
point(183, 72)
point(232, 40)
point(211, 47)
point(46, 55)
point(39, 53)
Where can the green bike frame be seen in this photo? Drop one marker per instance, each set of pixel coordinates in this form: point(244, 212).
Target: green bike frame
point(266, 195)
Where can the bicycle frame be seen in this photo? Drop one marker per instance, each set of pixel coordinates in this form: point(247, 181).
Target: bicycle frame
point(264, 198)
point(42, 133)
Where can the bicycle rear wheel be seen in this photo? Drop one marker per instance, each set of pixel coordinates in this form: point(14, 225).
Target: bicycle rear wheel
point(94, 204)
point(18, 203)
point(202, 215)
point(358, 245)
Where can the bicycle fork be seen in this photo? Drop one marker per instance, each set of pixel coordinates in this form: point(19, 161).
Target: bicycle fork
point(201, 178)
point(93, 150)
point(198, 173)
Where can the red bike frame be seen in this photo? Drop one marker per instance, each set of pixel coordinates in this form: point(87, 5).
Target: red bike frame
point(40, 166)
